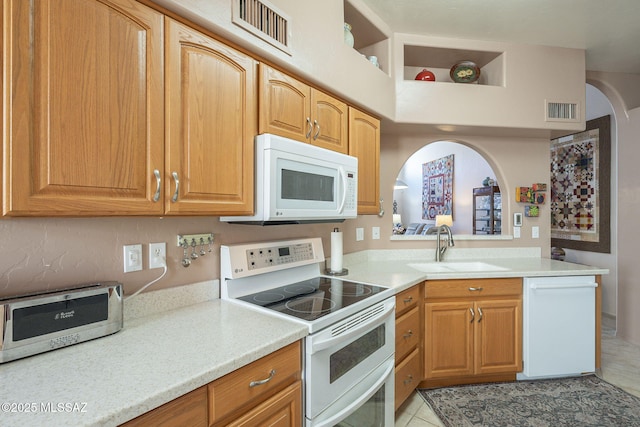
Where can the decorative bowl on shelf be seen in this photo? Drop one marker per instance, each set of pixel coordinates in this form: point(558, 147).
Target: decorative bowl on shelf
point(426, 76)
point(465, 72)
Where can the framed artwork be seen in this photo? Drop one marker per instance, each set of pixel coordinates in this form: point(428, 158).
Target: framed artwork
point(580, 188)
point(437, 187)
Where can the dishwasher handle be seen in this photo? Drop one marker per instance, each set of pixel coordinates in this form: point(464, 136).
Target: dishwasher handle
point(562, 286)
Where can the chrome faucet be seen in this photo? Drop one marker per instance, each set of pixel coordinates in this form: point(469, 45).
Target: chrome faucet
point(440, 250)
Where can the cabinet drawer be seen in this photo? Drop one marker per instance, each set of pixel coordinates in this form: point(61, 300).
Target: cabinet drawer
point(407, 299)
point(407, 377)
point(472, 288)
point(407, 332)
point(283, 409)
point(187, 410)
point(233, 391)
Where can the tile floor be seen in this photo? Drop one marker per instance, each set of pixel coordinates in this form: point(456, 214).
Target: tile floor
point(620, 366)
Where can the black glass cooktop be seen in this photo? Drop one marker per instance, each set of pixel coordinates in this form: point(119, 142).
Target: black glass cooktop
point(313, 298)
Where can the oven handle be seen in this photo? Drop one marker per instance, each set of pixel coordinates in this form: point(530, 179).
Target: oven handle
point(370, 324)
point(357, 403)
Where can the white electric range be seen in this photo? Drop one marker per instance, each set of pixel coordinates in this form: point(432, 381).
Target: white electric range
point(349, 352)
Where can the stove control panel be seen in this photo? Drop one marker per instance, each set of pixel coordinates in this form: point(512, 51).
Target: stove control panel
point(269, 256)
point(252, 259)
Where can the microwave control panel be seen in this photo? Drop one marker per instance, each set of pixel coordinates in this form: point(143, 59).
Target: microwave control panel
point(351, 203)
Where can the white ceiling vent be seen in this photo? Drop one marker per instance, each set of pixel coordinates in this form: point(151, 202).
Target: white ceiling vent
point(562, 111)
point(263, 20)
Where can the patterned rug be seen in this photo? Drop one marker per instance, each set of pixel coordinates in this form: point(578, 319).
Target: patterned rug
point(580, 401)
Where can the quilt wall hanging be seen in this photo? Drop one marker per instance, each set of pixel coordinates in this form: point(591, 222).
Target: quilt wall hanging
point(437, 187)
point(580, 188)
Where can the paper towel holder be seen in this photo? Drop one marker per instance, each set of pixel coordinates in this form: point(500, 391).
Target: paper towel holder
point(336, 246)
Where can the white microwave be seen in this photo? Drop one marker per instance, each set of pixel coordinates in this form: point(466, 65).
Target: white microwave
point(296, 183)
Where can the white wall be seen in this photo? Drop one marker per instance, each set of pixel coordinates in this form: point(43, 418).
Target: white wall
point(598, 105)
point(622, 91)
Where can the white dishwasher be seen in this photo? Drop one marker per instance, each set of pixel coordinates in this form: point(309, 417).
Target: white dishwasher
point(559, 326)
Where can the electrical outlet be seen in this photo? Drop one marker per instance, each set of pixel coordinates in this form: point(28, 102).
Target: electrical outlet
point(516, 232)
point(359, 234)
point(132, 255)
point(157, 255)
point(375, 233)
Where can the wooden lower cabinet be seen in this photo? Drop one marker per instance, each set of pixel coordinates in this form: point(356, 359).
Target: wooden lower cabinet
point(473, 331)
point(408, 372)
point(284, 409)
point(232, 400)
point(187, 410)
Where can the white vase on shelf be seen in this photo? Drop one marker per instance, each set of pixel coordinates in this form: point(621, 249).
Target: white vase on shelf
point(348, 36)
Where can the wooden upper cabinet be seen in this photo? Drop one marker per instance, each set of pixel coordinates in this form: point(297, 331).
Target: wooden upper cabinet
point(295, 110)
point(285, 105)
point(330, 122)
point(211, 124)
point(364, 143)
point(84, 107)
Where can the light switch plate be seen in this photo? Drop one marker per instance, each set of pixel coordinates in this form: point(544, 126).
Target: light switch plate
point(359, 234)
point(132, 255)
point(375, 233)
point(535, 232)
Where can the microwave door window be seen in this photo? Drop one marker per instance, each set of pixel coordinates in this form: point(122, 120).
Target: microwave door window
point(303, 185)
point(298, 185)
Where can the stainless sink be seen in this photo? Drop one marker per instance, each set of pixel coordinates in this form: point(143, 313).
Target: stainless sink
point(453, 266)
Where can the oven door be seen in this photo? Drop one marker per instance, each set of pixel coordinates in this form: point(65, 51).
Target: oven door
point(339, 357)
point(369, 403)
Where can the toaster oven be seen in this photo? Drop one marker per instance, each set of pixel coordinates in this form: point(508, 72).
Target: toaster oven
point(35, 323)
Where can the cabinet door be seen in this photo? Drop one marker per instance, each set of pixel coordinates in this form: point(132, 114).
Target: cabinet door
point(84, 107)
point(364, 143)
point(498, 336)
point(330, 122)
point(448, 343)
point(211, 123)
point(284, 105)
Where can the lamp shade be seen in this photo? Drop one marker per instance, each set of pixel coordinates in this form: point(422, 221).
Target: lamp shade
point(444, 220)
point(400, 185)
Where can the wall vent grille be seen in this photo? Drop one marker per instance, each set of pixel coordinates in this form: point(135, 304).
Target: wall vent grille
point(562, 111)
point(264, 21)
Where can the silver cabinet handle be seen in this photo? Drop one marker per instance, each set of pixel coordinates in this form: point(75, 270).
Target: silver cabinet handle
point(409, 379)
point(317, 134)
point(310, 128)
point(175, 193)
point(475, 289)
point(480, 313)
point(473, 314)
point(408, 300)
point(408, 335)
point(264, 381)
point(156, 196)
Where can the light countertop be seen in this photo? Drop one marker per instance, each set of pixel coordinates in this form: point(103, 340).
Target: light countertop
point(151, 361)
point(164, 352)
point(401, 269)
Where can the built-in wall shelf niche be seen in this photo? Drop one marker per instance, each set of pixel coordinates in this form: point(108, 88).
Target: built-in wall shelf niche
point(369, 39)
point(439, 61)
